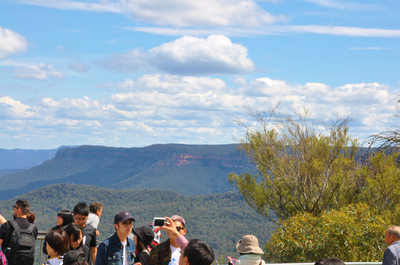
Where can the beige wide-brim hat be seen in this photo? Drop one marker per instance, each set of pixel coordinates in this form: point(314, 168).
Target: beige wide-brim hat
point(249, 245)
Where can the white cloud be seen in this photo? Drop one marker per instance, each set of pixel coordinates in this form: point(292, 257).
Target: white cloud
point(188, 13)
point(168, 108)
point(177, 13)
point(12, 109)
point(11, 43)
point(335, 30)
point(41, 71)
point(341, 4)
point(79, 67)
point(187, 56)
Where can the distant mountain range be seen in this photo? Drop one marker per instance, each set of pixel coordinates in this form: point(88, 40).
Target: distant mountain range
point(186, 169)
point(219, 219)
point(19, 159)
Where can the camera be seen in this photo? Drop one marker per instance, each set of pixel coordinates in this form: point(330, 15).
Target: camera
point(159, 221)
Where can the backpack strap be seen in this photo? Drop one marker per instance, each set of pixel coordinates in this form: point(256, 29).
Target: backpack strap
point(15, 225)
point(31, 227)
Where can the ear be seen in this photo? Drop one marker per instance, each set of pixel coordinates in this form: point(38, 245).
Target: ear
point(116, 226)
point(185, 260)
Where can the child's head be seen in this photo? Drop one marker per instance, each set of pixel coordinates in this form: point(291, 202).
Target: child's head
point(57, 242)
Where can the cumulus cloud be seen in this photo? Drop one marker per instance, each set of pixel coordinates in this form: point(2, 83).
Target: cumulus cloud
point(11, 43)
point(170, 108)
point(41, 71)
point(13, 109)
point(215, 54)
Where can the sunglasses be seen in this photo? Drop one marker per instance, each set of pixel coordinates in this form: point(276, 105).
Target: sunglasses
point(179, 228)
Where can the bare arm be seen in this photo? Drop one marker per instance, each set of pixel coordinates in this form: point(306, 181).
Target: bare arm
point(93, 253)
point(2, 219)
point(1, 242)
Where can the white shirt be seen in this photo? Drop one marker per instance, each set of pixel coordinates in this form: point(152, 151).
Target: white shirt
point(124, 257)
point(175, 255)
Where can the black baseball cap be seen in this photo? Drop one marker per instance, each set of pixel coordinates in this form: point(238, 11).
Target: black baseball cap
point(122, 217)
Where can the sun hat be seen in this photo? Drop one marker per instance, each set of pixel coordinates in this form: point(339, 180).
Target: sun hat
point(249, 245)
point(145, 233)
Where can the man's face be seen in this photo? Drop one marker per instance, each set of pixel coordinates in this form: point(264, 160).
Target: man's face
point(80, 220)
point(124, 228)
point(15, 211)
point(389, 239)
point(99, 212)
point(180, 227)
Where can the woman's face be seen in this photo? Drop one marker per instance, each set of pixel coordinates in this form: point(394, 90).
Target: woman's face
point(77, 243)
point(59, 221)
point(50, 251)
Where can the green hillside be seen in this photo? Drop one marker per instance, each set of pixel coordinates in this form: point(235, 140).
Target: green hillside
point(187, 169)
point(219, 219)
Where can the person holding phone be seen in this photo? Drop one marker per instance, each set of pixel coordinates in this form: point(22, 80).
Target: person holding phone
point(169, 252)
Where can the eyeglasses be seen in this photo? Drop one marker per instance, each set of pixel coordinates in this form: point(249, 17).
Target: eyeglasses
point(128, 223)
point(179, 228)
point(15, 207)
point(80, 218)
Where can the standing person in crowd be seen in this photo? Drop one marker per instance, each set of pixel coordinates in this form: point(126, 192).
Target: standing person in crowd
point(197, 252)
point(169, 251)
point(75, 236)
point(64, 218)
point(250, 252)
point(118, 248)
point(392, 253)
point(57, 244)
point(81, 213)
point(143, 236)
point(9, 243)
point(96, 209)
point(30, 216)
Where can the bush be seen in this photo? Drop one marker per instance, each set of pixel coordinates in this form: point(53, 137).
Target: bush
point(353, 233)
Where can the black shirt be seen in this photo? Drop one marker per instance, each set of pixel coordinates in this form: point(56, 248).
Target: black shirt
point(6, 230)
point(89, 236)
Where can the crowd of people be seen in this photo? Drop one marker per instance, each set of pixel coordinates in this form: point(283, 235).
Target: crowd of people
point(73, 241)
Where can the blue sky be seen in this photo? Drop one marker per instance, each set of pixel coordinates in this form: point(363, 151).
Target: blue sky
point(132, 73)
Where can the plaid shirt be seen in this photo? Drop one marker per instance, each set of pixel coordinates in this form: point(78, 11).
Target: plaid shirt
point(161, 254)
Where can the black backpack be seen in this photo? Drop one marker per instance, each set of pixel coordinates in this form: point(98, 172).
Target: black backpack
point(21, 249)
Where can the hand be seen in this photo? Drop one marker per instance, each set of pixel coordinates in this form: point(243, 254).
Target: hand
point(170, 228)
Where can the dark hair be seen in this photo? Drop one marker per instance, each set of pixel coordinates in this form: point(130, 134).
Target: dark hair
point(82, 209)
point(199, 252)
point(75, 230)
point(58, 240)
point(95, 206)
point(30, 216)
point(330, 261)
point(67, 217)
point(140, 246)
point(23, 205)
point(75, 257)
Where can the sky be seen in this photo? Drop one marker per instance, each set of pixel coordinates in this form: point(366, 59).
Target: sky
point(131, 73)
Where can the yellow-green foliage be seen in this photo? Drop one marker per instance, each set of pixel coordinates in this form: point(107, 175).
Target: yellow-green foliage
point(352, 233)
